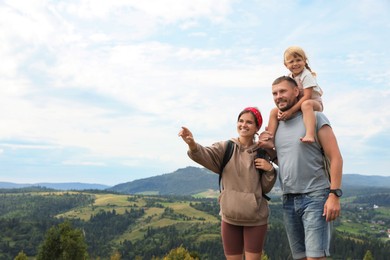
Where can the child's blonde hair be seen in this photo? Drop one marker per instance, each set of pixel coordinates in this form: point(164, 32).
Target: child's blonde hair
point(296, 51)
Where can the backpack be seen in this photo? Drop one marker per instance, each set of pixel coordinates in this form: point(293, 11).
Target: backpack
point(261, 153)
point(325, 158)
point(326, 161)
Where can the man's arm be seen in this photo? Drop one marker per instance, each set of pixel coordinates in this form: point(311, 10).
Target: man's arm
point(328, 142)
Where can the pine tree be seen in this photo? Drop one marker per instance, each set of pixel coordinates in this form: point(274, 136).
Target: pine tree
point(116, 256)
point(264, 256)
point(179, 253)
point(63, 242)
point(368, 256)
point(21, 256)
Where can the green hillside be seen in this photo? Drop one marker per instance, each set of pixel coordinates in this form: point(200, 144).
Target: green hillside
point(193, 180)
point(186, 181)
point(147, 226)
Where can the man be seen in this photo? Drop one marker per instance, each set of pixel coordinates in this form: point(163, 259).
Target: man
point(310, 200)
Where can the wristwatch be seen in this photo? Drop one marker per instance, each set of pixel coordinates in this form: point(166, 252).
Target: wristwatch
point(337, 192)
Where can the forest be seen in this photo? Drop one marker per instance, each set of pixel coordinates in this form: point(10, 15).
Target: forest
point(149, 227)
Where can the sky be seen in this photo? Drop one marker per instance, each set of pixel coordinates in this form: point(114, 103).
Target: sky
point(96, 91)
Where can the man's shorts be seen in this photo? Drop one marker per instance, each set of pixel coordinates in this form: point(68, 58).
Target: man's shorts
point(307, 230)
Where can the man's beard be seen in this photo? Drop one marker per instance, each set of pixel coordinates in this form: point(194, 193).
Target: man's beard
point(286, 107)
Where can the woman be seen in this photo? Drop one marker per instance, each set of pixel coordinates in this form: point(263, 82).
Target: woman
point(244, 210)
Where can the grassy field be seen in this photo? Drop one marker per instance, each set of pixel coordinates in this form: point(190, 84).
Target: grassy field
point(359, 222)
point(188, 215)
point(152, 218)
point(105, 202)
point(208, 194)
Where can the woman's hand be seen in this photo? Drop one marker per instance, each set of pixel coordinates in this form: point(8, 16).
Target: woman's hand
point(263, 165)
point(187, 137)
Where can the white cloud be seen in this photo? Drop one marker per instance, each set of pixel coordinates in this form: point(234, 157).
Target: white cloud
point(174, 10)
point(28, 146)
point(83, 163)
point(105, 83)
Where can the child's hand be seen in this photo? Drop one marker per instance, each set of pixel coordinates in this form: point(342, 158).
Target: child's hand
point(282, 116)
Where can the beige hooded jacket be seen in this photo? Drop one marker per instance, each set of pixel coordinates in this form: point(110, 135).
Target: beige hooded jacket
point(241, 199)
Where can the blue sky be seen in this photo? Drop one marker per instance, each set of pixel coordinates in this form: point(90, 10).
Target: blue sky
point(96, 91)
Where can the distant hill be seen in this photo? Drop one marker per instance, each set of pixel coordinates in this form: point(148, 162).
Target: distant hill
point(56, 186)
point(193, 180)
point(186, 181)
point(357, 180)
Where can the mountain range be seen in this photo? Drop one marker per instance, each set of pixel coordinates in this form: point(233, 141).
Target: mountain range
point(193, 180)
point(185, 181)
point(55, 186)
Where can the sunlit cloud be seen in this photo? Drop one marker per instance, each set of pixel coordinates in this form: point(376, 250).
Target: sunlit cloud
point(98, 84)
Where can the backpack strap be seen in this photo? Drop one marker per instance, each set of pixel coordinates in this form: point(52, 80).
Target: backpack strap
point(228, 154)
point(326, 163)
point(261, 153)
point(324, 157)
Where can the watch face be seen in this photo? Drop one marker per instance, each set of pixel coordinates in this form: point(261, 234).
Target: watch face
point(338, 192)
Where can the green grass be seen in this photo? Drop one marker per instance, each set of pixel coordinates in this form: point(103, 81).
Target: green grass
point(366, 222)
point(349, 227)
point(105, 202)
point(207, 194)
point(153, 215)
point(185, 209)
point(383, 211)
point(158, 222)
point(149, 193)
point(152, 218)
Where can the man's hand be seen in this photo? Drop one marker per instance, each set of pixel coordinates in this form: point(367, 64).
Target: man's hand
point(266, 140)
point(332, 208)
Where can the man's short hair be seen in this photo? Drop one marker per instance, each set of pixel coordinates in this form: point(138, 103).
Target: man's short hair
point(285, 78)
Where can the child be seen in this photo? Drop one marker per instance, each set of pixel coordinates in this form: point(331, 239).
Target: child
point(310, 94)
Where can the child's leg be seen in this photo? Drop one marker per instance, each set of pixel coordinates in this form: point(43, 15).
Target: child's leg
point(308, 107)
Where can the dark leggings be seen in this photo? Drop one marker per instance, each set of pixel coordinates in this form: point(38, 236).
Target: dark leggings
point(237, 238)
